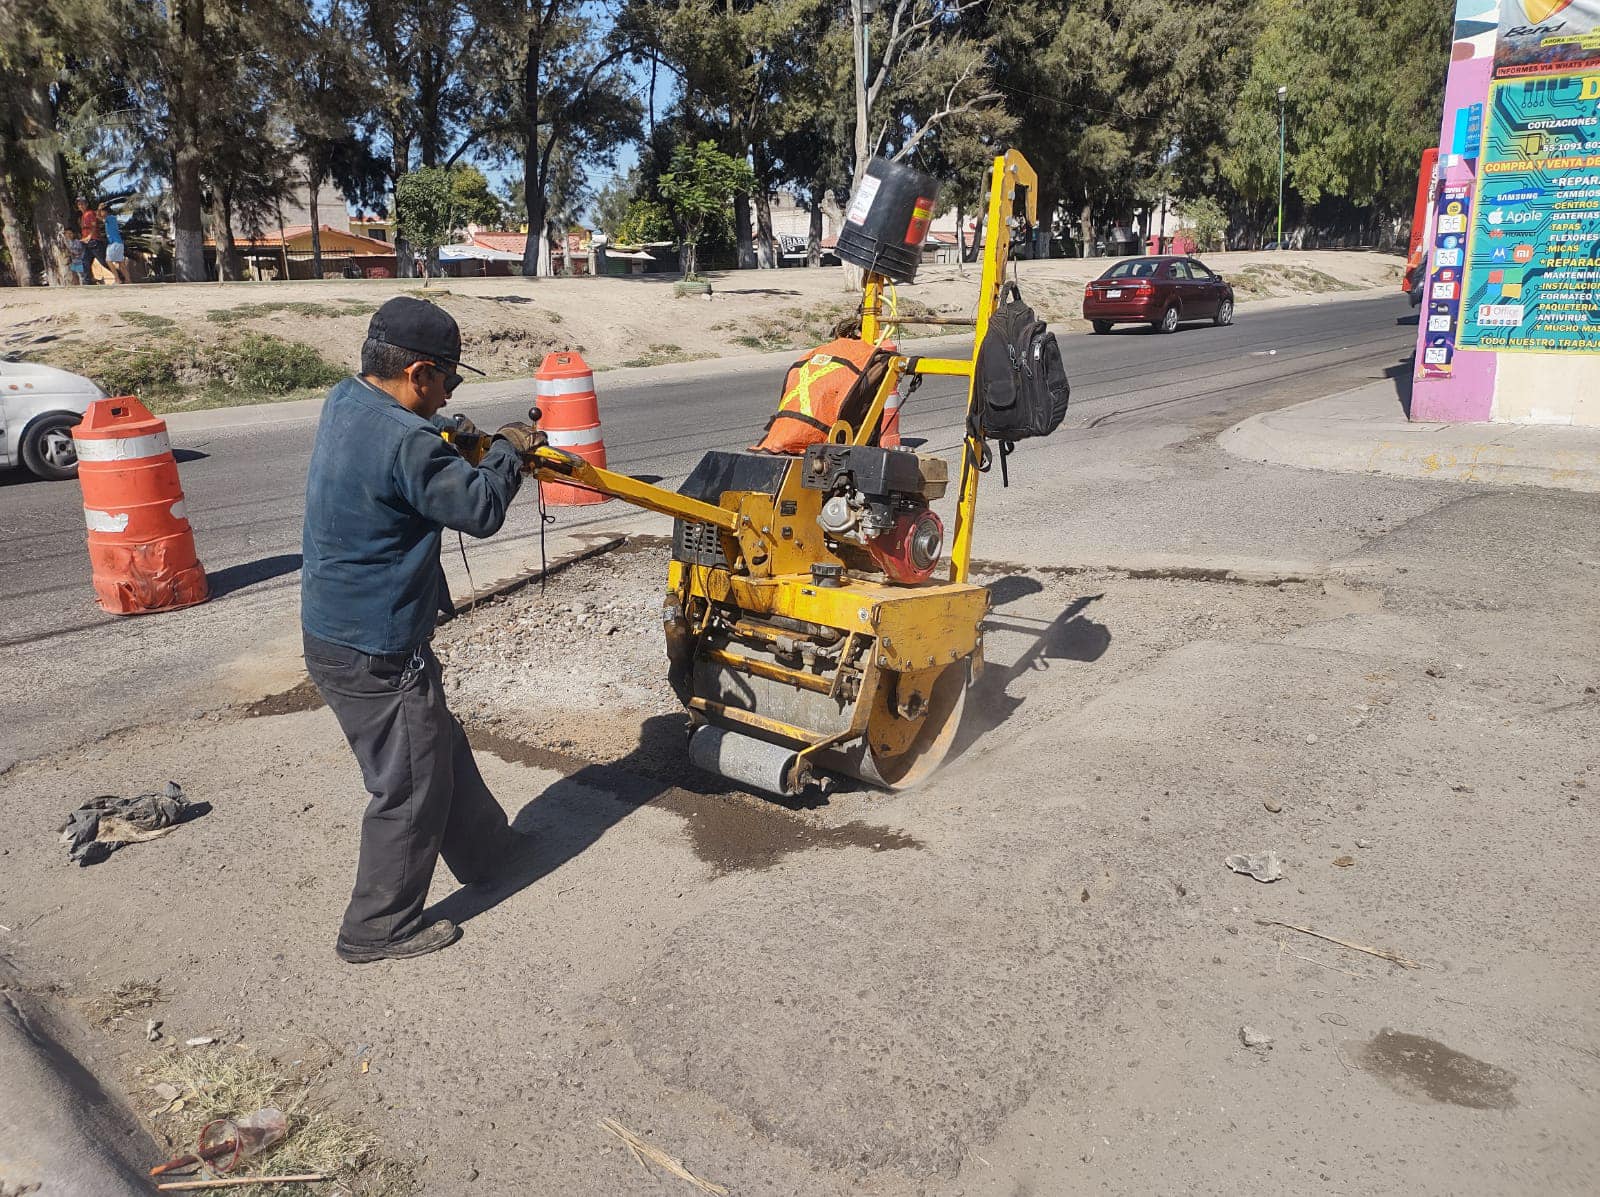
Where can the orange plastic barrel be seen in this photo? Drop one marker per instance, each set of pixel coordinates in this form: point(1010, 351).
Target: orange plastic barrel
point(889, 429)
point(141, 547)
point(569, 414)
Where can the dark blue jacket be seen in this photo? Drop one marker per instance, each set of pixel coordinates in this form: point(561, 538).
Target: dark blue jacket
point(381, 486)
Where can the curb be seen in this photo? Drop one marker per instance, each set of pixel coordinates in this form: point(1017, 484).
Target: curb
point(1340, 433)
point(62, 1133)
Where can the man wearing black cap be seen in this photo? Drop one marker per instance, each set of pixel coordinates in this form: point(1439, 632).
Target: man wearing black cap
point(382, 486)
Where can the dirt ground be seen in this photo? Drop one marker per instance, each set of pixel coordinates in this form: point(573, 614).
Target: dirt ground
point(183, 344)
point(1035, 975)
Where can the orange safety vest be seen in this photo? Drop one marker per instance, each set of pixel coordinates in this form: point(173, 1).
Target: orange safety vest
point(820, 388)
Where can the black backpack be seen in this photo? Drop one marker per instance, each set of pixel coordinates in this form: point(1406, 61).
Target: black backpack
point(1022, 384)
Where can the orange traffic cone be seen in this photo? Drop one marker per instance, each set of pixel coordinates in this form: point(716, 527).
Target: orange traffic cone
point(141, 546)
point(889, 428)
point(569, 413)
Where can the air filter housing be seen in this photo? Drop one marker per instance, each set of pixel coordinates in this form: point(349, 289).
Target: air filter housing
point(887, 221)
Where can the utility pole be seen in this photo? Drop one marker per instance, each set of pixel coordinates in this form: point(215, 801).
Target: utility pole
point(861, 20)
point(1283, 94)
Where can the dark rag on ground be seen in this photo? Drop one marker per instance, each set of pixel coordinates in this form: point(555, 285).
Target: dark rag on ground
point(102, 825)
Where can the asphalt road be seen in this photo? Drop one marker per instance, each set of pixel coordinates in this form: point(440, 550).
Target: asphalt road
point(244, 484)
point(1106, 489)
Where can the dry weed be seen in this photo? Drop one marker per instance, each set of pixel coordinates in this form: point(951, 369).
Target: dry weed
point(122, 1001)
point(230, 1082)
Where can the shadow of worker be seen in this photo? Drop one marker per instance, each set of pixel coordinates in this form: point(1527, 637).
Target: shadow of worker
point(1067, 636)
point(572, 813)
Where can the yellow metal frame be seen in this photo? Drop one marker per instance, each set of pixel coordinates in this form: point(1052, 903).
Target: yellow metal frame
point(1008, 173)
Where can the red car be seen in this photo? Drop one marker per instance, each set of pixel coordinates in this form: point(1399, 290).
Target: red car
point(1162, 292)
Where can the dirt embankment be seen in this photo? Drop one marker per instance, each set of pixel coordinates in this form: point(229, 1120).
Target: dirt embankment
point(188, 346)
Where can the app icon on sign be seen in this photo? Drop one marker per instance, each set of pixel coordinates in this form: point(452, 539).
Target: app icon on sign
point(1522, 253)
point(1497, 276)
point(1499, 254)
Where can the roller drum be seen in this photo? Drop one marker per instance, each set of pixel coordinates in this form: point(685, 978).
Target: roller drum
point(747, 760)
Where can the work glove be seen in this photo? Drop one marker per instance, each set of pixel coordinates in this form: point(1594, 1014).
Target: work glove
point(524, 438)
point(464, 436)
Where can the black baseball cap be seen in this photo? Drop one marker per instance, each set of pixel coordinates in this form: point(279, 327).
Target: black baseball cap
point(421, 327)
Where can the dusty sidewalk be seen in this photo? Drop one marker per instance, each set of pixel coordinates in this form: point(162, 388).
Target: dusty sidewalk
point(1030, 976)
point(1366, 431)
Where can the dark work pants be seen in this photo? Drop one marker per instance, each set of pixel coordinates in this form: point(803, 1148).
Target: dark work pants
point(427, 795)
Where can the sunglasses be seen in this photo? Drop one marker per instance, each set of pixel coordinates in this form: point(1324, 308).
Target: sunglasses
point(451, 379)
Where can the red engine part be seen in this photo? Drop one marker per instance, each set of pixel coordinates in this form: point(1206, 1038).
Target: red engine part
point(908, 551)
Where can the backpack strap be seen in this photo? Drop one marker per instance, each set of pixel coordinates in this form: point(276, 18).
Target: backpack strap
point(794, 415)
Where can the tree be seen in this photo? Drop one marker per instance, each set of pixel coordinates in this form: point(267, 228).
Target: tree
point(1365, 82)
point(560, 101)
point(697, 186)
point(613, 201)
point(645, 221)
point(931, 68)
point(432, 82)
point(327, 98)
point(1115, 93)
point(424, 202)
point(474, 202)
point(1207, 219)
point(35, 55)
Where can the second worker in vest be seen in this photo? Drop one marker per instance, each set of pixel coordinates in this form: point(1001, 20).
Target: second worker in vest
point(382, 487)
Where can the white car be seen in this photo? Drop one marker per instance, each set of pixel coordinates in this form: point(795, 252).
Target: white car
point(38, 407)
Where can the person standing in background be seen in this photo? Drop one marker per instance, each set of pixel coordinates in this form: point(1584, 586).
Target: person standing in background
point(116, 256)
point(75, 256)
point(89, 232)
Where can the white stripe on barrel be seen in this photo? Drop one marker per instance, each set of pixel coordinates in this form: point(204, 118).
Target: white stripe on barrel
point(179, 511)
point(574, 438)
point(124, 448)
point(564, 386)
point(105, 521)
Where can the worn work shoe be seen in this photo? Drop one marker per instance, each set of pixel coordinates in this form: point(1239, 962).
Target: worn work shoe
point(439, 934)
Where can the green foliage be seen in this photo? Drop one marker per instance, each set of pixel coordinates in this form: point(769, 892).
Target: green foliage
point(697, 187)
point(275, 367)
point(611, 202)
point(645, 221)
point(424, 202)
point(473, 202)
point(1204, 215)
point(258, 311)
point(1364, 81)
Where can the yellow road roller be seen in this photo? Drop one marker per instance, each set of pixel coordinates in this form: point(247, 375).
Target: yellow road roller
point(807, 633)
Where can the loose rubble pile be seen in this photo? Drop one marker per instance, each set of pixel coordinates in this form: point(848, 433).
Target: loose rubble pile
point(574, 667)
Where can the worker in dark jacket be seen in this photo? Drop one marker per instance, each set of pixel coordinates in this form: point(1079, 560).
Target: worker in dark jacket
point(382, 486)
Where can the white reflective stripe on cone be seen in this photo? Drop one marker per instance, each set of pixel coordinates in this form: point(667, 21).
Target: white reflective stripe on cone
point(105, 521)
point(892, 403)
point(572, 439)
point(179, 511)
point(564, 386)
point(127, 448)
